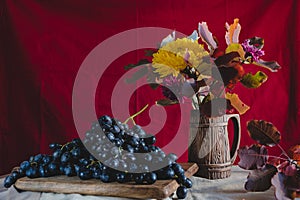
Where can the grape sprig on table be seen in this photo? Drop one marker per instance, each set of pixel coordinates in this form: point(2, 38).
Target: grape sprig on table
point(111, 152)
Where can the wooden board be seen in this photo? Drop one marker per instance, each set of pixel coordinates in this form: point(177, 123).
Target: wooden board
point(63, 184)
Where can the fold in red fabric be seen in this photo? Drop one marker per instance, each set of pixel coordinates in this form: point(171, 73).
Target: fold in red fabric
point(43, 44)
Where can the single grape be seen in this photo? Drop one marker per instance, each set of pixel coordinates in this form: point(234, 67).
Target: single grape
point(110, 136)
point(46, 160)
point(150, 178)
point(177, 169)
point(166, 173)
point(105, 120)
point(85, 174)
point(181, 192)
point(77, 141)
point(115, 129)
point(76, 152)
point(38, 158)
point(32, 172)
point(139, 178)
point(105, 178)
point(66, 157)
point(54, 146)
point(149, 139)
point(188, 183)
point(121, 178)
point(16, 175)
point(53, 168)
point(9, 181)
point(24, 165)
point(97, 173)
point(69, 170)
point(57, 154)
point(44, 171)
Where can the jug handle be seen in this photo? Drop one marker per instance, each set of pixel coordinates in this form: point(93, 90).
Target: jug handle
point(237, 136)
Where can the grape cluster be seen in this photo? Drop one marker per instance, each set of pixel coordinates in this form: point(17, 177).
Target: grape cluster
point(110, 151)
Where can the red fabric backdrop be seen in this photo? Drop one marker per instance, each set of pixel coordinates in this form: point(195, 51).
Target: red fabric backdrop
point(43, 44)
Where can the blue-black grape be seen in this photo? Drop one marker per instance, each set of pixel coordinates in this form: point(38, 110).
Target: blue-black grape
point(188, 183)
point(139, 178)
point(150, 178)
point(104, 178)
point(9, 181)
point(32, 172)
point(85, 174)
point(181, 192)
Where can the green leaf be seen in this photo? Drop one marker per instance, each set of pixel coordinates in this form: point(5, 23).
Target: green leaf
point(154, 86)
point(254, 81)
point(141, 62)
point(150, 52)
point(137, 75)
point(166, 102)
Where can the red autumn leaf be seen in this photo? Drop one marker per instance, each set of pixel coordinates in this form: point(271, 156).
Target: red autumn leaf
point(252, 157)
point(265, 133)
point(260, 179)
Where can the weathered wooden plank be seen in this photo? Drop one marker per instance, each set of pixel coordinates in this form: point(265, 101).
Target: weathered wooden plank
point(63, 184)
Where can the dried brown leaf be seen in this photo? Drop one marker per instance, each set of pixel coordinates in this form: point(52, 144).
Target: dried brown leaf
point(265, 133)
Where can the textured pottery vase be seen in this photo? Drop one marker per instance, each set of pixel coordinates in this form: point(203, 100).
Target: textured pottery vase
point(209, 144)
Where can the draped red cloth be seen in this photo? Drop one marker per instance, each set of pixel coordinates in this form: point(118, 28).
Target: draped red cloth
point(43, 44)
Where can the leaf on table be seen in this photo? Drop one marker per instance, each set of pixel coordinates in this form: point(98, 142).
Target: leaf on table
point(265, 133)
point(252, 157)
point(286, 186)
point(260, 179)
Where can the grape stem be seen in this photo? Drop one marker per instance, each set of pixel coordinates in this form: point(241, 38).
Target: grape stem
point(136, 114)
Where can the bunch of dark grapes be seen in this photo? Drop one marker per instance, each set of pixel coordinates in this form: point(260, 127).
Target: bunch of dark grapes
point(110, 151)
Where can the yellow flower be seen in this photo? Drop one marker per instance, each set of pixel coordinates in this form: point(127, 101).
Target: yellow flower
point(167, 63)
point(169, 60)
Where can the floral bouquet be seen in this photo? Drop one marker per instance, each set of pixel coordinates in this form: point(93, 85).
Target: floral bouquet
point(185, 69)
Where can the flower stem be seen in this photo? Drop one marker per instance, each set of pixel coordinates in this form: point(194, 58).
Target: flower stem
point(136, 114)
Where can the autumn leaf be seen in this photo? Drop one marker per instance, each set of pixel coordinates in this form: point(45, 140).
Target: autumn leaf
point(252, 157)
point(265, 133)
point(254, 81)
point(294, 153)
point(273, 66)
point(260, 179)
point(166, 102)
